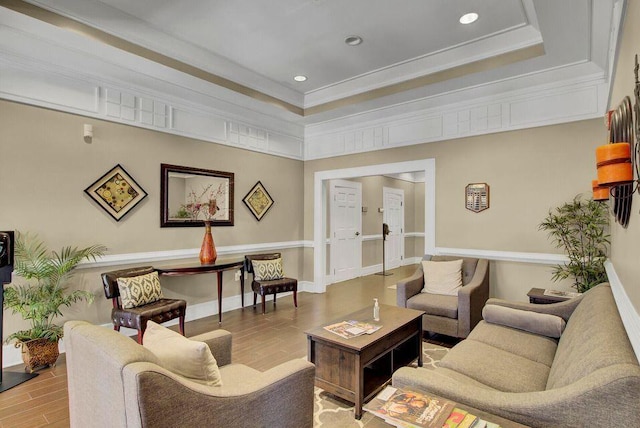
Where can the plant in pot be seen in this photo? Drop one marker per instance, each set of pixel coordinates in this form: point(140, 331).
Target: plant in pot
point(580, 227)
point(40, 299)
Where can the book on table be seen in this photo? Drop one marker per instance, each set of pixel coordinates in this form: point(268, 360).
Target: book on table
point(410, 408)
point(352, 328)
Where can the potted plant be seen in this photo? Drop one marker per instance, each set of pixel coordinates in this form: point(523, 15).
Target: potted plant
point(580, 227)
point(41, 298)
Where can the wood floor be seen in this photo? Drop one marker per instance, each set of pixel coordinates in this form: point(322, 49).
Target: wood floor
point(259, 341)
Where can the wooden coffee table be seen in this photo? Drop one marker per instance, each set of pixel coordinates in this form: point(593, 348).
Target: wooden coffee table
point(356, 369)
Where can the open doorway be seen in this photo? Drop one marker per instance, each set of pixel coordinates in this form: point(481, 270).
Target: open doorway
point(321, 190)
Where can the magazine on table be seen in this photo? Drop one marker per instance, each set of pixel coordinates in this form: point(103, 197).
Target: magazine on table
point(557, 293)
point(406, 408)
point(349, 329)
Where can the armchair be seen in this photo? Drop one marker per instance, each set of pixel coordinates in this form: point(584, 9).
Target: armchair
point(445, 314)
point(137, 317)
point(270, 280)
point(115, 382)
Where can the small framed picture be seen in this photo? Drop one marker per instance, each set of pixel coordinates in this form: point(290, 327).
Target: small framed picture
point(116, 192)
point(258, 201)
point(477, 197)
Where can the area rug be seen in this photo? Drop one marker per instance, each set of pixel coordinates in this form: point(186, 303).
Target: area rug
point(330, 411)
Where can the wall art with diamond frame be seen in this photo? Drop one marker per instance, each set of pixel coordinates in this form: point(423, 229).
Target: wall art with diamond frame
point(258, 201)
point(116, 192)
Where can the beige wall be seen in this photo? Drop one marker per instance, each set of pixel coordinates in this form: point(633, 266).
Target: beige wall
point(625, 243)
point(46, 166)
point(529, 171)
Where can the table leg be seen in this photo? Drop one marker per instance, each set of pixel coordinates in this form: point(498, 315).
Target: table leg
point(242, 286)
point(359, 384)
point(219, 274)
point(420, 342)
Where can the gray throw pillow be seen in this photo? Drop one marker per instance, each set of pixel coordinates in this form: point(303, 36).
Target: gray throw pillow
point(533, 322)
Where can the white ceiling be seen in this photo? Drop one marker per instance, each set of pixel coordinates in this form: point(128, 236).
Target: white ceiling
point(261, 44)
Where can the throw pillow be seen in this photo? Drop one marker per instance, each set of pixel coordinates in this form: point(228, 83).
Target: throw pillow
point(442, 277)
point(266, 270)
point(533, 322)
point(182, 356)
point(139, 290)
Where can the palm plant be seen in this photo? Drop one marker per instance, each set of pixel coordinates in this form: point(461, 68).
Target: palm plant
point(40, 300)
point(580, 227)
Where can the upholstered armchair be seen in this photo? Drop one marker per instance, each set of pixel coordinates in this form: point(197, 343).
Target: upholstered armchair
point(115, 382)
point(451, 315)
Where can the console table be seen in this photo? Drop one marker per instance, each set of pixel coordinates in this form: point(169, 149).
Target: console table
point(195, 268)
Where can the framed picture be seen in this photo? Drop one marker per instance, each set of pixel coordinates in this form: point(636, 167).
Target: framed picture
point(191, 196)
point(116, 192)
point(258, 201)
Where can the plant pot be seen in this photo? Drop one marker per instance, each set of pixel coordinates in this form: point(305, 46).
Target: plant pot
point(39, 353)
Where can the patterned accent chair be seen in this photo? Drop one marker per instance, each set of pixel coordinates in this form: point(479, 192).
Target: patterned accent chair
point(269, 278)
point(137, 317)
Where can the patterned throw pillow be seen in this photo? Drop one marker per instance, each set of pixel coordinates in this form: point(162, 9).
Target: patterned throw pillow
point(266, 270)
point(139, 290)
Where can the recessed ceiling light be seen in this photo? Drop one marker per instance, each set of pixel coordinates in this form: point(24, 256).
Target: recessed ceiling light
point(468, 18)
point(353, 40)
point(300, 78)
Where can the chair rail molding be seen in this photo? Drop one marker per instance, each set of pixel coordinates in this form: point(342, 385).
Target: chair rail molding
point(628, 313)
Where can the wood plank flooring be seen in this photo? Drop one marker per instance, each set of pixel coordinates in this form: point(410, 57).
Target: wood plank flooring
point(259, 341)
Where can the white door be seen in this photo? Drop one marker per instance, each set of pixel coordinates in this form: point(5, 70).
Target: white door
point(393, 215)
point(345, 201)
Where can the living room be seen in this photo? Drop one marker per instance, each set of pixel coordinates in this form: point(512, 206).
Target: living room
point(530, 166)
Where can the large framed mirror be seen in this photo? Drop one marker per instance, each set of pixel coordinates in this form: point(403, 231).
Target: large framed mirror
point(191, 196)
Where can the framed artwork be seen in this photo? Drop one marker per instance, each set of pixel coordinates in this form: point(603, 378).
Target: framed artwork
point(258, 201)
point(189, 196)
point(116, 192)
point(477, 197)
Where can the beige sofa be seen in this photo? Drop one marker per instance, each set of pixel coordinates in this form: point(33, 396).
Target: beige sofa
point(589, 377)
point(114, 382)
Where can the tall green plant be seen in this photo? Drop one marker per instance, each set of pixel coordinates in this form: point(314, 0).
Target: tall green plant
point(580, 227)
point(40, 300)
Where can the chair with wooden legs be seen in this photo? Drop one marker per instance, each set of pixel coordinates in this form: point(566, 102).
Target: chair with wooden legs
point(268, 277)
point(142, 300)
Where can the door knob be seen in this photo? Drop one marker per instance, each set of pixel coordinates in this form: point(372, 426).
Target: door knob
point(357, 233)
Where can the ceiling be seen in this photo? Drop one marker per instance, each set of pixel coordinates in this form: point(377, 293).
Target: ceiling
point(246, 52)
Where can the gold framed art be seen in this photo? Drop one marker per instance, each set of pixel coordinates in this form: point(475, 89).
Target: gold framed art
point(116, 192)
point(258, 201)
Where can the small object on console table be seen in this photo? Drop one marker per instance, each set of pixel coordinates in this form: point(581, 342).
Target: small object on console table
point(543, 297)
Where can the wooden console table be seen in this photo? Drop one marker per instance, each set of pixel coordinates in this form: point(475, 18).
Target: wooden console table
point(356, 369)
point(195, 268)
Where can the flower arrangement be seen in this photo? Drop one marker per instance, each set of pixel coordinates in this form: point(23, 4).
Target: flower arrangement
point(204, 204)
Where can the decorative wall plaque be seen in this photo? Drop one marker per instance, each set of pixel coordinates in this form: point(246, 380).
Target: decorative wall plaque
point(477, 197)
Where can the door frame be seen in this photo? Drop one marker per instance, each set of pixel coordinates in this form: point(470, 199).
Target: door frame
point(397, 191)
point(320, 208)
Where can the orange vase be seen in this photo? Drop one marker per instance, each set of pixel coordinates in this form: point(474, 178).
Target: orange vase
point(208, 252)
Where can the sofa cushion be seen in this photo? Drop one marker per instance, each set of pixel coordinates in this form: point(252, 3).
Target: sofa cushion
point(435, 304)
point(139, 290)
point(595, 337)
point(496, 368)
point(533, 322)
point(442, 277)
point(182, 356)
point(540, 349)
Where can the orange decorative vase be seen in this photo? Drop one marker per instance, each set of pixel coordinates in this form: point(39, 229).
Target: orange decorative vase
point(208, 252)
